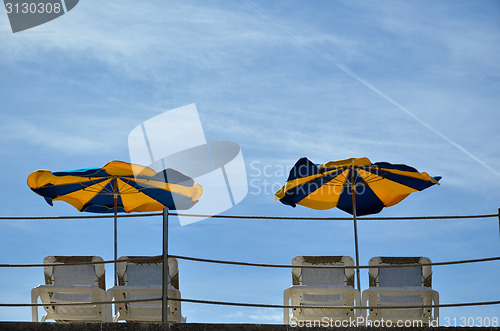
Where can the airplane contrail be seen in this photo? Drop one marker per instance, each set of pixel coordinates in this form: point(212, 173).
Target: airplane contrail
point(361, 80)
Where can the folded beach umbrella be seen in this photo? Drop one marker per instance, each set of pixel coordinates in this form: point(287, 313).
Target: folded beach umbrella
point(117, 187)
point(375, 186)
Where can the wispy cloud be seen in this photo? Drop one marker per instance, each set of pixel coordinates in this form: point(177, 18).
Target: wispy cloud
point(186, 32)
point(260, 316)
point(207, 55)
point(328, 57)
point(68, 135)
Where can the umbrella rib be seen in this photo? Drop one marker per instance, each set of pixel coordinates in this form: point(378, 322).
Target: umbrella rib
point(375, 177)
point(99, 184)
point(371, 178)
point(122, 189)
point(131, 189)
point(339, 175)
point(343, 174)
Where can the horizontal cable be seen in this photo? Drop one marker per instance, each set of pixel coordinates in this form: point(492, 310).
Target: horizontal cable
point(244, 304)
point(304, 218)
point(292, 218)
point(56, 264)
point(265, 265)
point(257, 305)
point(30, 218)
point(85, 303)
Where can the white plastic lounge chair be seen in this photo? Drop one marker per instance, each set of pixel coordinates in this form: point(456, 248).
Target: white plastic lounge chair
point(321, 287)
point(140, 277)
point(400, 286)
point(72, 283)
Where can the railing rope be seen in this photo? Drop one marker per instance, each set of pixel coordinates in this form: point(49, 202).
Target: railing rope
point(255, 305)
point(291, 218)
point(264, 265)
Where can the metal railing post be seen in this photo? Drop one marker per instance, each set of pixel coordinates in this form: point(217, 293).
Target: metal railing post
point(165, 274)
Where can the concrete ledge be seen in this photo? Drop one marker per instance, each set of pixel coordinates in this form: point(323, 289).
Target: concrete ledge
point(34, 326)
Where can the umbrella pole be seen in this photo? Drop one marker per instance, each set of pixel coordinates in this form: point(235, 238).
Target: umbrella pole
point(353, 193)
point(165, 273)
point(115, 228)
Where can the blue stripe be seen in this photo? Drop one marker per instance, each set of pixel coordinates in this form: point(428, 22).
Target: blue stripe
point(414, 183)
point(104, 209)
point(299, 192)
point(85, 172)
point(174, 201)
point(303, 168)
point(104, 198)
point(52, 191)
point(367, 201)
point(387, 165)
point(171, 176)
point(296, 194)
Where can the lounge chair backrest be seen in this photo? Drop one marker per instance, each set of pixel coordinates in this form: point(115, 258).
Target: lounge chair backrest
point(67, 275)
point(400, 276)
point(144, 274)
point(146, 271)
point(323, 276)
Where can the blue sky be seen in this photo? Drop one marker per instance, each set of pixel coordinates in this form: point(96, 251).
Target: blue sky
point(412, 82)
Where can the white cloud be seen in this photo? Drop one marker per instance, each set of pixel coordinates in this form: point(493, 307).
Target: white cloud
point(69, 135)
point(341, 117)
point(259, 316)
point(125, 35)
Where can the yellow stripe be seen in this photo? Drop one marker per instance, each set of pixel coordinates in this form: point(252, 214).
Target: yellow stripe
point(41, 178)
point(294, 183)
point(354, 161)
point(134, 200)
point(79, 198)
point(194, 192)
point(325, 197)
point(389, 192)
point(299, 181)
point(418, 175)
point(120, 168)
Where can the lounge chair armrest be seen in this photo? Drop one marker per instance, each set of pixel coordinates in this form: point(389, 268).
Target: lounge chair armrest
point(98, 295)
point(67, 289)
point(403, 291)
point(326, 289)
point(118, 293)
point(115, 291)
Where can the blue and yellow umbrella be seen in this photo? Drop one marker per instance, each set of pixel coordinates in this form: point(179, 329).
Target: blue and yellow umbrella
point(329, 185)
point(117, 187)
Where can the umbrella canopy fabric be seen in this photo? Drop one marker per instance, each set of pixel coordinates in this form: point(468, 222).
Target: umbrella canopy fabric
point(118, 187)
point(136, 188)
point(356, 186)
point(376, 185)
